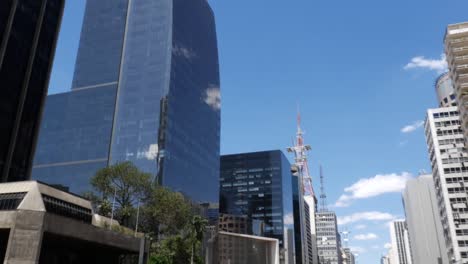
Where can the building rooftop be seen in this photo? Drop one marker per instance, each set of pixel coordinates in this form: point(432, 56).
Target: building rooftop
point(36, 196)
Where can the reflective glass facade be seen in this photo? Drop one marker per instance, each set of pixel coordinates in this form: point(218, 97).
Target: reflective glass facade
point(159, 61)
point(191, 128)
point(76, 130)
point(259, 185)
point(100, 50)
point(75, 137)
point(28, 34)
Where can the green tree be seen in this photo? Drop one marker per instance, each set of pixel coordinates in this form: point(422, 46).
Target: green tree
point(167, 217)
point(125, 184)
point(165, 212)
point(184, 247)
point(196, 231)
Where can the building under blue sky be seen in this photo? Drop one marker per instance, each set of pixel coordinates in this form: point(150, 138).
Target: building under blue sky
point(363, 74)
point(145, 89)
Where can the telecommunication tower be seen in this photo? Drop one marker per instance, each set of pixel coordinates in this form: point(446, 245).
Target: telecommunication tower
point(323, 196)
point(300, 151)
point(345, 237)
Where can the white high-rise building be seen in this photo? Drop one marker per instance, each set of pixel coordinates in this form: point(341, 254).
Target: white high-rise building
point(328, 239)
point(423, 221)
point(456, 49)
point(385, 260)
point(449, 161)
point(400, 253)
point(312, 251)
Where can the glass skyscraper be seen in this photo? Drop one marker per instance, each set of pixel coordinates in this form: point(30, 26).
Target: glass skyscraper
point(28, 35)
point(146, 89)
point(259, 186)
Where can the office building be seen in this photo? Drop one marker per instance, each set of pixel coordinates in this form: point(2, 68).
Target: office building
point(348, 256)
point(310, 206)
point(444, 90)
point(28, 36)
point(426, 237)
point(209, 211)
point(448, 157)
point(307, 229)
point(328, 239)
point(456, 50)
point(258, 185)
point(400, 251)
point(385, 260)
point(146, 89)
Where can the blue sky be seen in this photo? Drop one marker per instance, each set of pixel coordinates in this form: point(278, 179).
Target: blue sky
point(344, 63)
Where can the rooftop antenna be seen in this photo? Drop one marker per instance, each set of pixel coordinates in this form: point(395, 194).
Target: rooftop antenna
point(323, 196)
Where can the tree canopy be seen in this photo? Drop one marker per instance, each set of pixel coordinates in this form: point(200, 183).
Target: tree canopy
point(167, 217)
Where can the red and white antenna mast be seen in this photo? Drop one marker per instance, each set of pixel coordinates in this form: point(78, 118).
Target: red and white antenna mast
point(300, 151)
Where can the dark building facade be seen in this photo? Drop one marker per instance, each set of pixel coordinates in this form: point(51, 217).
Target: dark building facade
point(147, 73)
point(259, 186)
point(28, 36)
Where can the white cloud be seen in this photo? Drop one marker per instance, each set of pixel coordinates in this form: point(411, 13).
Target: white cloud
point(289, 219)
point(388, 246)
point(182, 51)
point(360, 227)
point(150, 154)
point(403, 143)
point(365, 216)
point(371, 187)
point(358, 250)
point(369, 236)
point(213, 97)
point(413, 127)
point(420, 62)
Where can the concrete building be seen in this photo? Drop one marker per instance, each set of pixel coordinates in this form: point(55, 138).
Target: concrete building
point(28, 36)
point(400, 252)
point(446, 96)
point(456, 50)
point(311, 231)
point(236, 248)
point(240, 224)
point(41, 224)
point(385, 260)
point(328, 239)
point(348, 256)
point(426, 237)
point(449, 160)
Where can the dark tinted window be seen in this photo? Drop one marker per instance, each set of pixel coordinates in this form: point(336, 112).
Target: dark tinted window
point(14, 67)
point(36, 91)
point(5, 12)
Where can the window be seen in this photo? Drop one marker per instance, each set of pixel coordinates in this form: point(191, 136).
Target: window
point(60, 207)
point(10, 201)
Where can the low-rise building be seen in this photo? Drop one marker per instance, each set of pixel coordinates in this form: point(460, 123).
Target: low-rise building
point(42, 224)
